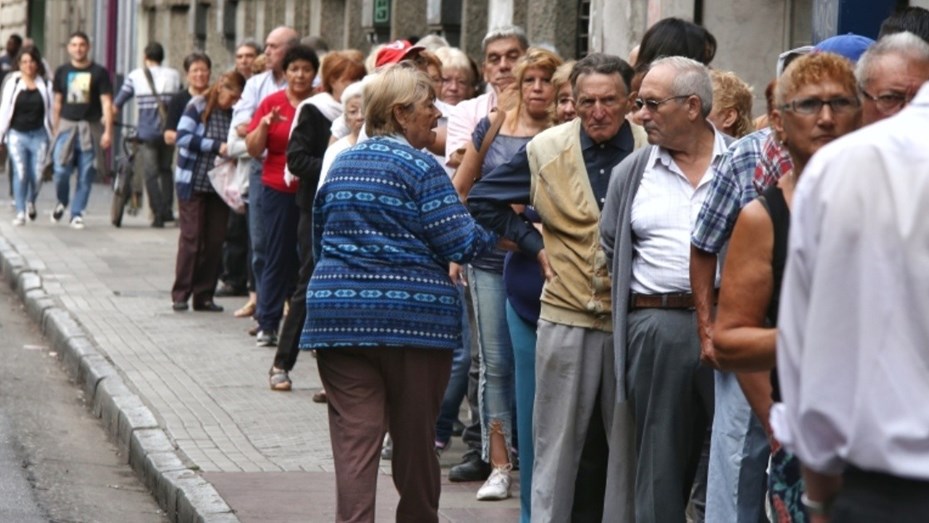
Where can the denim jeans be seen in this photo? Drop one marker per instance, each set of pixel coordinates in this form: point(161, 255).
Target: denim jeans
point(523, 337)
point(27, 152)
point(458, 381)
point(256, 231)
point(496, 385)
point(86, 172)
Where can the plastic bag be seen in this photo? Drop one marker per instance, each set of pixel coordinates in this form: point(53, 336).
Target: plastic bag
point(228, 183)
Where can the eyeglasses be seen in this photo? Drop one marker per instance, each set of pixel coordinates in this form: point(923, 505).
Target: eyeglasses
point(811, 106)
point(887, 103)
point(653, 105)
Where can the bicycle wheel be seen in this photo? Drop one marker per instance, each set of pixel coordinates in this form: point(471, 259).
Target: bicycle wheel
point(122, 190)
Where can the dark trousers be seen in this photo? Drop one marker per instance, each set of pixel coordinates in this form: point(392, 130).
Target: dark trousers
point(235, 252)
point(155, 158)
point(874, 497)
point(199, 247)
point(370, 389)
point(472, 431)
point(289, 341)
point(279, 216)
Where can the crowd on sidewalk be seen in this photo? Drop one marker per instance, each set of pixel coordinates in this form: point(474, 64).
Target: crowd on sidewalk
point(544, 239)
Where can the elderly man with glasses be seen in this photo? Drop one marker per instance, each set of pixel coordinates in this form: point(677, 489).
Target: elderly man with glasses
point(652, 203)
point(890, 73)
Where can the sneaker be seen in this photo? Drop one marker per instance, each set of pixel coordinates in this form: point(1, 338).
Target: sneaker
point(20, 219)
point(266, 339)
point(58, 212)
point(77, 222)
point(497, 486)
point(30, 211)
point(387, 451)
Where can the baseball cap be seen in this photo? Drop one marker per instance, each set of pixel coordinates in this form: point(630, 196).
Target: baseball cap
point(849, 45)
point(784, 59)
point(396, 51)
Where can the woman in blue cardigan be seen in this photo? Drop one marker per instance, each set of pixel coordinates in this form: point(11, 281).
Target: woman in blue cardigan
point(201, 138)
point(382, 313)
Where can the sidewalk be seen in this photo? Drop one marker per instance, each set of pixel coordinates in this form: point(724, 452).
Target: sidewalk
point(186, 394)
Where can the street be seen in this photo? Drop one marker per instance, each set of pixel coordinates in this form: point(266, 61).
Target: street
point(57, 463)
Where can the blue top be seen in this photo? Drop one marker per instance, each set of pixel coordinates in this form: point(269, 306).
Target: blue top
point(501, 149)
point(387, 222)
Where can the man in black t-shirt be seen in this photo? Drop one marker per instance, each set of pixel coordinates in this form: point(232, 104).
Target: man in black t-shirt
point(83, 96)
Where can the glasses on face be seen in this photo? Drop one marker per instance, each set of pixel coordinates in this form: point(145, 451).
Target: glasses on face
point(811, 106)
point(653, 105)
point(887, 103)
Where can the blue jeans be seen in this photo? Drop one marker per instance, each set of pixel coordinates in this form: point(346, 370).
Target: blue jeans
point(495, 389)
point(256, 230)
point(280, 214)
point(458, 381)
point(27, 152)
point(523, 337)
point(86, 172)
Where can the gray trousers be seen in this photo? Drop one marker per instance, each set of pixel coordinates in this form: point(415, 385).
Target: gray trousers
point(155, 159)
point(574, 366)
point(671, 395)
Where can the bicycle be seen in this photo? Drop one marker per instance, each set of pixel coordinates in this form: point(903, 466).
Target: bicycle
point(123, 173)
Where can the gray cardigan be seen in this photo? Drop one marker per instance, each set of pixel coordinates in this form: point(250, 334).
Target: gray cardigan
point(616, 239)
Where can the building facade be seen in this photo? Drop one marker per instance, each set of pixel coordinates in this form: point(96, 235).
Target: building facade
point(750, 33)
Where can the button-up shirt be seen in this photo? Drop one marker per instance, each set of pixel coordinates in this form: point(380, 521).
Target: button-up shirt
point(664, 211)
point(853, 326)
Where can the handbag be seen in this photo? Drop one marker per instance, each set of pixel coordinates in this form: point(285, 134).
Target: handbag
point(162, 108)
point(227, 182)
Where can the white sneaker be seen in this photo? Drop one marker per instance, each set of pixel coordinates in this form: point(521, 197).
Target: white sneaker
point(20, 219)
point(77, 222)
point(497, 486)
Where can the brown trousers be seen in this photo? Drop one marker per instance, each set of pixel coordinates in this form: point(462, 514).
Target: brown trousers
point(202, 221)
point(370, 389)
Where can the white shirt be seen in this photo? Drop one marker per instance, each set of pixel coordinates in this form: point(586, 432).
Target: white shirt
point(256, 89)
point(664, 212)
point(331, 152)
point(463, 118)
point(853, 333)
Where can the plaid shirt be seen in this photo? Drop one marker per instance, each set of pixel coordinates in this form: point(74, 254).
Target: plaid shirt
point(743, 174)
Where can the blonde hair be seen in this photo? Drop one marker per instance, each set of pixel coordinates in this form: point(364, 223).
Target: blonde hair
point(562, 75)
point(401, 86)
point(731, 92)
point(535, 58)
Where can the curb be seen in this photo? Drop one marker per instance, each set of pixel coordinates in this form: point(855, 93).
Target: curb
point(180, 491)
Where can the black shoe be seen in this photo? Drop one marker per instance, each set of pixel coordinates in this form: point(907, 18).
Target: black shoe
point(471, 468)
point(179, 306)
point(169, 217)
point(208, 307)
point(158, 223)
point(457, 428)
point(225, 290)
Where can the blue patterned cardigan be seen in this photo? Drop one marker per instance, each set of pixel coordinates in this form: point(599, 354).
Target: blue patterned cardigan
point(386, 223)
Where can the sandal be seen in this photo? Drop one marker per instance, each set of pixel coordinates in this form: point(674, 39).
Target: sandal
point(246, 311)
point(279, 379)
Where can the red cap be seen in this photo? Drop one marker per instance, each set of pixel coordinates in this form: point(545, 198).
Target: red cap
point(396, 51)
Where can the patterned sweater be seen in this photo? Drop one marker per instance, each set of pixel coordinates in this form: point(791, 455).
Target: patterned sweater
point(387, 222)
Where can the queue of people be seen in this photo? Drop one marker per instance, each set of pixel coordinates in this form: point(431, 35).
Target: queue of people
point(545, 240)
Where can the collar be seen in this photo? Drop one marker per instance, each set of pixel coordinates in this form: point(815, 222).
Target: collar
point(398, 138)
point(622, 140)
point(660, 154)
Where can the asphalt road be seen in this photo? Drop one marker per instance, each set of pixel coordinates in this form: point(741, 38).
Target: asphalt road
point(56, 464)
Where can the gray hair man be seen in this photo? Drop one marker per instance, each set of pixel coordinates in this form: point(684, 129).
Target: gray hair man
point(651, 205)
point(890, 73)
point(564, 173)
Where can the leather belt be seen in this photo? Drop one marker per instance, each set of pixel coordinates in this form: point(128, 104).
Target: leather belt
point(673, 300)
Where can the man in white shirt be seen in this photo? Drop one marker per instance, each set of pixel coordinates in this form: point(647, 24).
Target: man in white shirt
point(652, 203)
point(853, 340)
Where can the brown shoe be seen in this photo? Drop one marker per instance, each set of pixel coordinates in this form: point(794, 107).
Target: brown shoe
point(254, 330)
point(320, 397)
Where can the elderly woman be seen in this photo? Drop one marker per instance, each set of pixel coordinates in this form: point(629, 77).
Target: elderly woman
point(269, 131)
point(201, 138)
point(565, 109)
point(382, 313)
point(532, 114)
point(459, 75)
point(816, 102)
point(309, 139)
point(26, 126)
point(732, 104)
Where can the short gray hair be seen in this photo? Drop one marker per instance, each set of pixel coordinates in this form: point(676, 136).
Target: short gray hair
point(692, 78)
point(505, 31)
point(904, 44)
